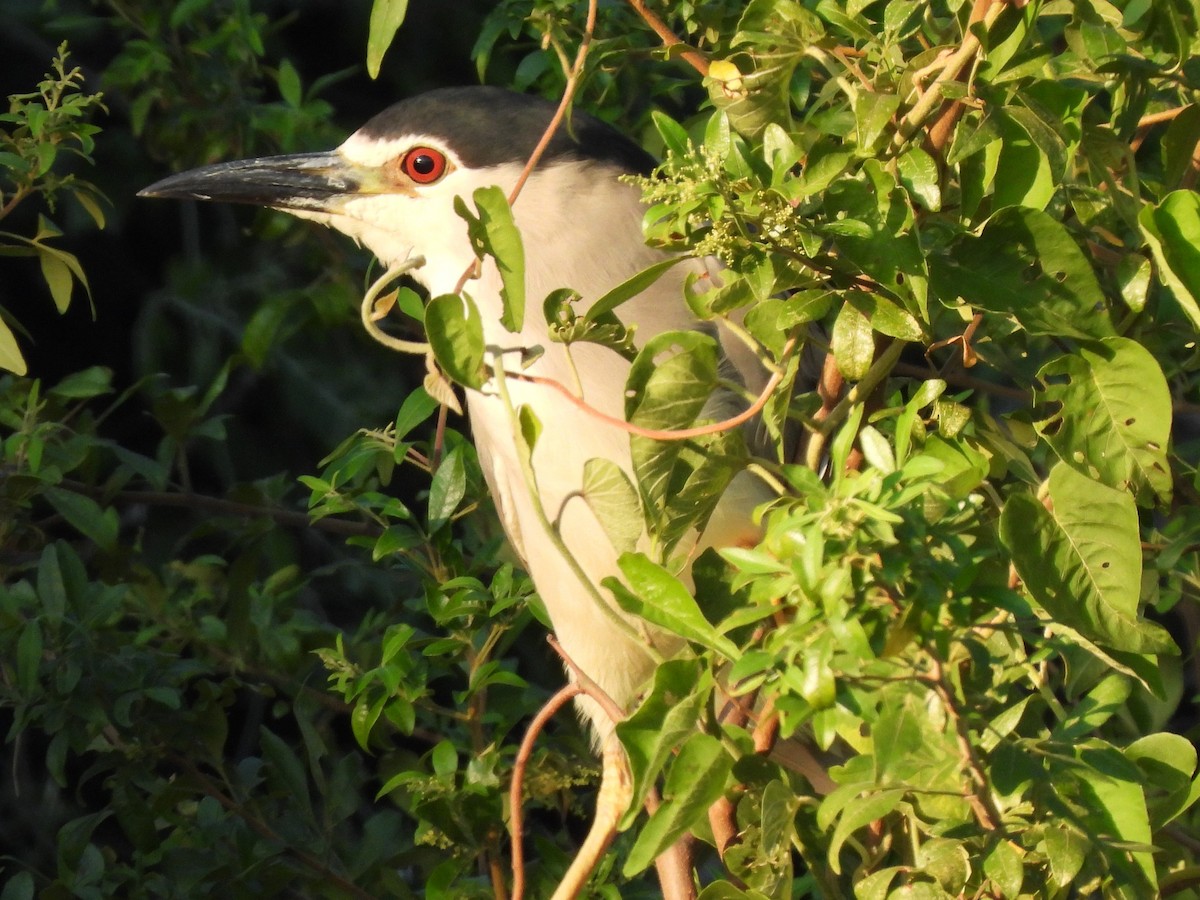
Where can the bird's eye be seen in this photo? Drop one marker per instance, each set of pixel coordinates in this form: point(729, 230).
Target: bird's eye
point(424, 165)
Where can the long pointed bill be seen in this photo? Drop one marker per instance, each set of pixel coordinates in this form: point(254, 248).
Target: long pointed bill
point(303, 181)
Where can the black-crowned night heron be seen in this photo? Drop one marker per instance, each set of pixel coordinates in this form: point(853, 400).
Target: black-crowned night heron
point(392, 186)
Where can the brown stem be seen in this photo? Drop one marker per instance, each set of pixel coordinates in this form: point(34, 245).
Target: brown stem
point(219, 506)
point(695, 59)
point(516, 817)
point(980, 799)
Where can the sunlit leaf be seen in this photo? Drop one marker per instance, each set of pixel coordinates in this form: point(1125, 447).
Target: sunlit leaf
point(1082, 559)
point(1110, 415)
point(386, 18)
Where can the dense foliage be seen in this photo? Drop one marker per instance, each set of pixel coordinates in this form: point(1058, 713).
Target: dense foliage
point(976, 594)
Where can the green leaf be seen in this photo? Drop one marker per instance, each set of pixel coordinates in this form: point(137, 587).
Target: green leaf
point(531, 426)
point(288, 80)
point(58, 277)
point(18, 887)
point(1118, 808)
point(98, 524)
point(1003, 866)
point(1027, 265)
point(669, 714)
point(614, 501)
point(1172, 229)
point(695, 782)
point(1066, 850)
point(386, 18)
point(494, 233)
point(1102, 702)
point(455, 333)
point(632, 286)
point(947, 861)
point(29, 657)
point(885, 316)
point(659, 597)
point(1169, 761)
point(668, 386)
point(447, 489)
point(1111, 417)
point(1025, 173)
point(858, 813)
point(364, 716)
point(920, 176)
point(873, 113)
point(853, 343)
point(416, 408)
point(1082, 560)
point(10, 354)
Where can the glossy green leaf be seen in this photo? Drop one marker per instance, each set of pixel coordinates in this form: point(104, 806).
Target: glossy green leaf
point(447, 489)
point(1003, 866)
point(631, 287)
point(58, 278)
point(853, 343)
point(1110, 416)
point(495, 234)
point(859, 813)
point(659, 597)
point(416, 408)
point(1117, 807)
point(1066, 850)
point(10, 354)
point(455, 333)
point(1169, 761)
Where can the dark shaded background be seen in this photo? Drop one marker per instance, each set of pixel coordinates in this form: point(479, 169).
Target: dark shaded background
point(175, 284)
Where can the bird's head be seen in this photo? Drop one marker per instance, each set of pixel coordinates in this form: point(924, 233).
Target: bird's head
point(391, 185)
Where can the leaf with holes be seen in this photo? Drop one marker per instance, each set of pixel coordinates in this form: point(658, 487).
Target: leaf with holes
point(1082, 560)
point(1027, 265)
point(1110, 416)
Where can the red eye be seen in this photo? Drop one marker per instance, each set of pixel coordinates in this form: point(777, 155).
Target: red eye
point(424, 165)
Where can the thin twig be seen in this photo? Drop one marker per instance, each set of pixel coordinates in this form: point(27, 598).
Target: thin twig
point(694, 58)
point(219, 506)
point(473, 271)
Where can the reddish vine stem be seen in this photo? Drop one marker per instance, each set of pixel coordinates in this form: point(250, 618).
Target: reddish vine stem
point(680, 434)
